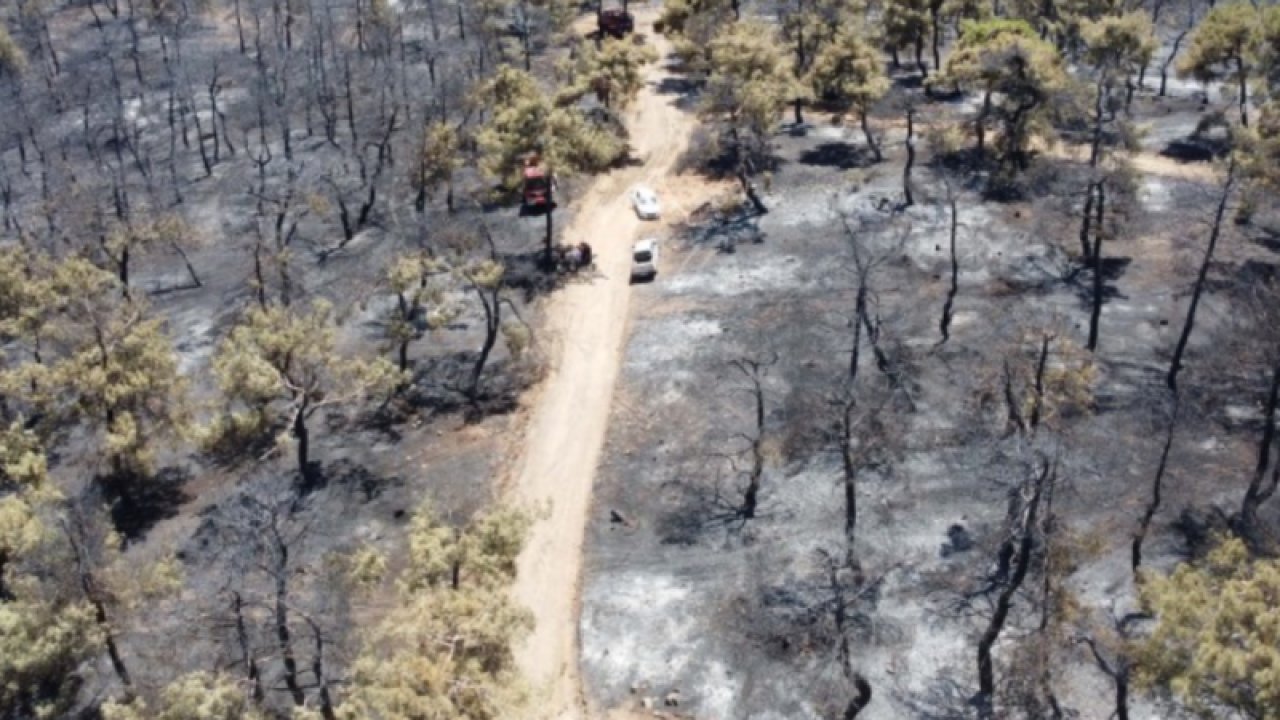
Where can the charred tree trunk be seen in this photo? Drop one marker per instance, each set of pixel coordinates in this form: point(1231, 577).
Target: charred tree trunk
point(911, 159)
point(283, 636)
point(406, 316)
point(89, 588)
point(318, 672)
point(1173, 52)
point(1176, 365)
point(1157, 488)
point(239, 27)
point(744, 179)
point(753, 195)
point(113, 648)
point(1037, 407)
point(490, 301)
point(866, 132)
point(246, 653)
point(1004, 601)
point(1259, 491)
point(947, 307)
point(859, 701)
point(1096, 315)
point(935, 18)
point(1086, 225)
point(850, 466)
point(751, 498)
point(6, 593)
point(259, 276)
point(1243, 78)
point(186, 261)
point(548, 237)
point(980, 125)
point(302, 438)
point(754, 370)
point(1120, 673)
point(1095, 154)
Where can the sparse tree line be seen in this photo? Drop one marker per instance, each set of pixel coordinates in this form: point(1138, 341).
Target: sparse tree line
point(1037, 74)
point(317, 123)
point(92, 381)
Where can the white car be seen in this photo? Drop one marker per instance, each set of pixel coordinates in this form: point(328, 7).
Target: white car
point(644, 259)
point(645, 201)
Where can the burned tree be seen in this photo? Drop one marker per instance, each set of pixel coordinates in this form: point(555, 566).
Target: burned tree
point(873, 241)
point(1215, 231)
point(1157, 488)
point(849, 70)
point(749, 84)
point(860, 434)
point(944, 325)
point(1016, 557)
point(277, 367)
point(484, 279)
point(754, 370)
point(421, 302)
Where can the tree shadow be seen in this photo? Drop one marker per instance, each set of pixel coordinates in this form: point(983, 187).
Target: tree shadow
point(1201, 529)
point(700, 509)
point(684, 89)
point(965, 162)
point(946, 95)
point(722, 227)
point(675, 85)
point(1268, 238)
point(909, 80)
point(138, 503)
point(1113, 268)
point(527, 272)
point(841, 155)
point(944, 699)
point(439, 386)
point(349, 476)
point(1196, 149)
point(233, 449)
point(627, 160)
point(711, 156)
point(1245, 277)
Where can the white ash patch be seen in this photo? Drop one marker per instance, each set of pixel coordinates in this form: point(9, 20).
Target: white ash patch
point(829, 132)
point(981, 254)
point(800, 209)
point(739, 274)
point(195, 349)
point(661, 638)
point(1156, 194)
point(668, 341)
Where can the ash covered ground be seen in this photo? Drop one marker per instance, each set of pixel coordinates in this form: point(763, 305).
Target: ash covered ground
point(682, 594)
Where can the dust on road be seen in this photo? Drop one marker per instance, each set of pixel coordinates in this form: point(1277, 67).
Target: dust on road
point(584, 334)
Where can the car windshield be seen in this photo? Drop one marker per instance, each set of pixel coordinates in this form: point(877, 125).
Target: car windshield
point(643, 256)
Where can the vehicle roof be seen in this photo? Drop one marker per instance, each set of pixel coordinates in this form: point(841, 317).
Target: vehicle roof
point(645, 244)
point(644, 190)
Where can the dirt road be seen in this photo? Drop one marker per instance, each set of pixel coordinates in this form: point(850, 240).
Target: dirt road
point(585, 333)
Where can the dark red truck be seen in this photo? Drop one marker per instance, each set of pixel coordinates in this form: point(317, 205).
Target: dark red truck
point(536, 196)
